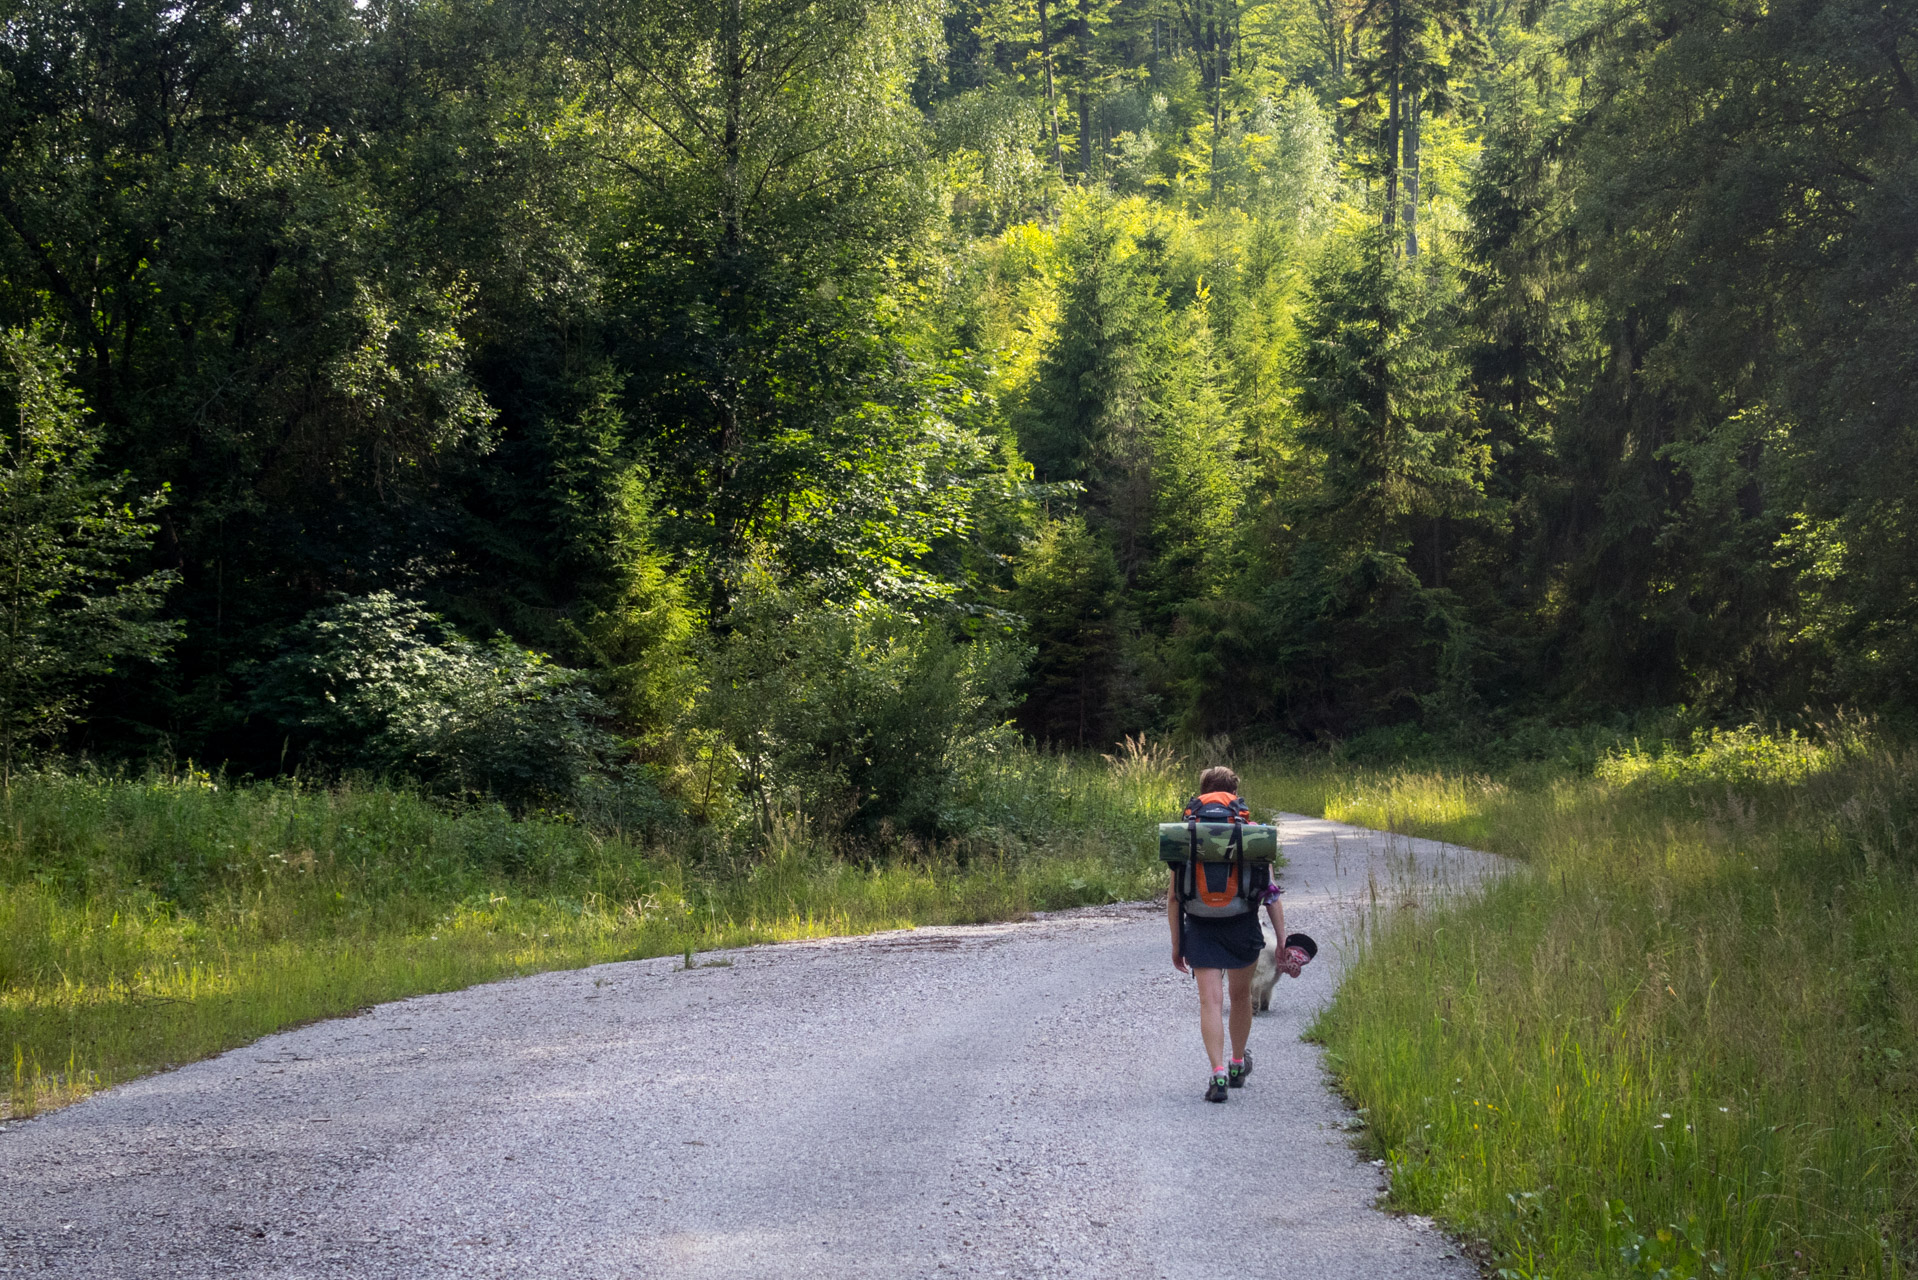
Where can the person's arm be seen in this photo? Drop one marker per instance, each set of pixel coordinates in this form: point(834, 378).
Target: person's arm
point(1172, 918)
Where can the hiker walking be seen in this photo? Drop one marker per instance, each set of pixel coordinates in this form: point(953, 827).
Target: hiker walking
point(1218, 886)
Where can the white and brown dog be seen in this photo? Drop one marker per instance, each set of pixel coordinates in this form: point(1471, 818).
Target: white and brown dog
point(1270, 964)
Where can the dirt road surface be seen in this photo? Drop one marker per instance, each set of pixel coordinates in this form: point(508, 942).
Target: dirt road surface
point(1016, 1100)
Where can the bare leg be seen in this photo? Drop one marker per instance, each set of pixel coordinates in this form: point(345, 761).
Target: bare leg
point(1241, 983)
point(1212, 1015)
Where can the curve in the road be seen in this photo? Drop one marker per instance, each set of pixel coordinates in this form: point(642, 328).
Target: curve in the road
point(1012, 1100)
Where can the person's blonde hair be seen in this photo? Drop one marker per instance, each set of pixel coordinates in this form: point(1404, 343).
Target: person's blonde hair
point(1218, 778)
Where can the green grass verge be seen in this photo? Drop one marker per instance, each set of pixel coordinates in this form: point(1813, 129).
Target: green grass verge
point(152, 922)
point(1681, 1041)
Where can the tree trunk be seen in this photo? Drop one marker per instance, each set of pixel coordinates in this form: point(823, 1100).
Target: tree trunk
point(1412, 116)
point(731, 441)
point(732, 37)
point(1052, 105)
point(1396, 63)
point(1085, 134)
point(1210, 30)
point(1218, 118)
point(1332, 26)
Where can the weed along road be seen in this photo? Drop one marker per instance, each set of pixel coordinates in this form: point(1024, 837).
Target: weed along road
point(1012, 1100)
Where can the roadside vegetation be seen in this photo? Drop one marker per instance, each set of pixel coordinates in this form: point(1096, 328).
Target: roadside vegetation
point(150, 921)
point(1680, 1040)
point(1683, 1040)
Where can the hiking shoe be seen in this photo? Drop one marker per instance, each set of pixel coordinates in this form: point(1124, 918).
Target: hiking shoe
point(1215, 1092)
point(1238, 1071)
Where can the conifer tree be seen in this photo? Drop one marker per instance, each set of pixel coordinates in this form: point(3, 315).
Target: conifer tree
point(1410, 55)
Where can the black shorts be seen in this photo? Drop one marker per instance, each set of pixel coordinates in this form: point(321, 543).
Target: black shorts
point(1232, 942)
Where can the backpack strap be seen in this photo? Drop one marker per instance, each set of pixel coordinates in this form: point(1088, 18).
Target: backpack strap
point(1188, 882)
point(1245, 868)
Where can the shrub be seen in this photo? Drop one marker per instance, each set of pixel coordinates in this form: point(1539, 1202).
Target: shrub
point(1744, 756)
point(381, 683)
point(858, 721)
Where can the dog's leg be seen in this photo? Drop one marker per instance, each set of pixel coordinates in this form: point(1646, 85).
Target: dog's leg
point(1264, 978)
point(1265, 971)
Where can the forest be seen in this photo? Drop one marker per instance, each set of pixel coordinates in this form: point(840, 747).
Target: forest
point(497, 485)
point(653, 401)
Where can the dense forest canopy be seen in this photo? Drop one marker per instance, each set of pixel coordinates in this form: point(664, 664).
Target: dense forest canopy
point(516, 393)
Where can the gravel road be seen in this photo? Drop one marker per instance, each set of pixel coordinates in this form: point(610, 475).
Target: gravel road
point(1010, 1100)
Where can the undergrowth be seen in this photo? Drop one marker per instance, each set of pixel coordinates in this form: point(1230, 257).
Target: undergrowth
point(152, 921)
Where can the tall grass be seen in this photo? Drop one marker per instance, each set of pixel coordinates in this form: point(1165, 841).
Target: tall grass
point(1683, 1040)
point(154, 921)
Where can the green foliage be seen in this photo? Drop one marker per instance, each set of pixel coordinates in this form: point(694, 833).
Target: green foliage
point(1408, 57)
point(70, 606)
point(640, 629)
point(854, 722)
point(1381, 394)
point(1068, 592)
point(1702, 233)
point(1679, 1041)
point(150, 922)
point(1417, 363)
point(270, 283)
point(382, 684)
point(991, 144)
point(1086, 417)
point(1736, 757)
point(1413, 376)
point(1283, 166)
point(1350, 615)
point(1130, 403)
point(761, 222)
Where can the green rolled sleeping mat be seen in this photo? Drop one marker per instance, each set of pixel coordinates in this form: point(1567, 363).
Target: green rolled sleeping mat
point(1215, 841)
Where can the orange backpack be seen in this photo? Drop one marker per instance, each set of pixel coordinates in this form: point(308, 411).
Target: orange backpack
point(1223, 873)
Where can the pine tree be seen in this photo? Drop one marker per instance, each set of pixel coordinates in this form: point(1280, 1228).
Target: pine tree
point(1069, 593)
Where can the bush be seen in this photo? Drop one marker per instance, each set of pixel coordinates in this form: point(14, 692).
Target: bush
point(381, 683)
point(1746, 756)
point(855, 722)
